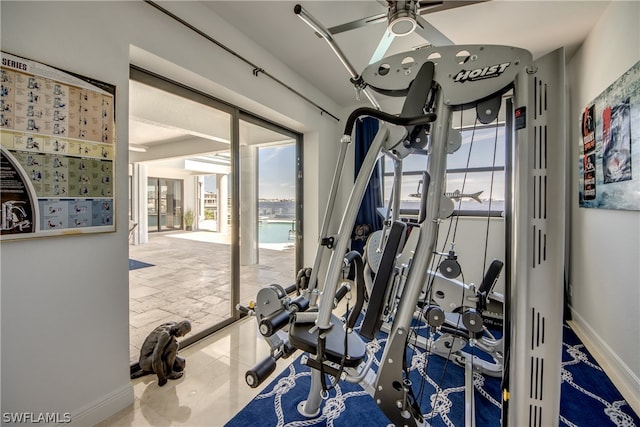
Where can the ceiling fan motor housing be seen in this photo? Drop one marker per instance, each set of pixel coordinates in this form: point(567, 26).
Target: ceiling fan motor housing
point(402, 17)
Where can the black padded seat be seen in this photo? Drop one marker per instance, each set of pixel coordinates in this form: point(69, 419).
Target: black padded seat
point(300, 338)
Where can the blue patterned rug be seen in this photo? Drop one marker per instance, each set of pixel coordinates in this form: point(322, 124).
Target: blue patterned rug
point(588, 396)
point(134, 265)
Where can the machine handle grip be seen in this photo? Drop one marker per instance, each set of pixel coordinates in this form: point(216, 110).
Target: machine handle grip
point(301, 303)
point(256, 375)
point(245, 310)
point(344, 289)
point(390, 118)
point(270, 325)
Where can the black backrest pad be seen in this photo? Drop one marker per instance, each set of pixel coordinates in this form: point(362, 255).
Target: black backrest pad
point(418, 91)
point(372, 319)
point(491, 276)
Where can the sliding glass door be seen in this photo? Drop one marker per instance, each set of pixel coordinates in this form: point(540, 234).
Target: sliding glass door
point(164, 204)
point(211, 187)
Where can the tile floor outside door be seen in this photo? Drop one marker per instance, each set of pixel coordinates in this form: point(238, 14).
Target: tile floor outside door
point(190, 279)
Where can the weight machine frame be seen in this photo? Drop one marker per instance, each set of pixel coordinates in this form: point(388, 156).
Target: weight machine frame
point(467, 76)
point(463, 77)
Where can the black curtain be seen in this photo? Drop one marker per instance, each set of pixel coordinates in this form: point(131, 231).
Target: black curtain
point(368, 219)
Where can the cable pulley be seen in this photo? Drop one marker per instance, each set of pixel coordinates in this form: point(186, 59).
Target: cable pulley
point(450, 268)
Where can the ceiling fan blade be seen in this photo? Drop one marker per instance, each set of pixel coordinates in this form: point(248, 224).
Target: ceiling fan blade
point(381, 17)
point(430, 33)
point(425, 7)
point(383, 46)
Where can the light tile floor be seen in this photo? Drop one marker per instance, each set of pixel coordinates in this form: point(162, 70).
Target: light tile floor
point(212, 389)
point(190, 279)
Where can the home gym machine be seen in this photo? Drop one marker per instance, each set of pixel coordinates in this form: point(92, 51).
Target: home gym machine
point(435, 82)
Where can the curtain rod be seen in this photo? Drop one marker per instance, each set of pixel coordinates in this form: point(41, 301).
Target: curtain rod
point(256, 69)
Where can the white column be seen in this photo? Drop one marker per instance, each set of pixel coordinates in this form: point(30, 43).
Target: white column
point(248, 205)
point(222, 188)
point(140, 175)
point(198, 202)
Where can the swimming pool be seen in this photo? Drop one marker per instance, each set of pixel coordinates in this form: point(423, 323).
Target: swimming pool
point(276, 232)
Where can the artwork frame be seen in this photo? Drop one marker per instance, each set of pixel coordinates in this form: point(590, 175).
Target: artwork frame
point(609, 146)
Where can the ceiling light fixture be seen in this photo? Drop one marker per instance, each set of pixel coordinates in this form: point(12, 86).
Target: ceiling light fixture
point(402, 24)
point(402, 18)
point(137, 149)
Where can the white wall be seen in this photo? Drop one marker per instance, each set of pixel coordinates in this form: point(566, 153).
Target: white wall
point(605, 248)
point(65, 332)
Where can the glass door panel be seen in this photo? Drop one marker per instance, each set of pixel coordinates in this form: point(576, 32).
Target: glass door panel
point(152, 204)
point(181, 141)
point(177, 212)
point(163, 204)
point(268, 217)
point(170, 204)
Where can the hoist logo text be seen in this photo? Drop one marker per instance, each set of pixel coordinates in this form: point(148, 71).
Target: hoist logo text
point(481, 73)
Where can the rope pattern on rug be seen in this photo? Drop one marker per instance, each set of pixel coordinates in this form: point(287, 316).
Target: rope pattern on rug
point(444, 397)
point(440, 403)
point(332, 408)
point(478, 383)
point(612, 410)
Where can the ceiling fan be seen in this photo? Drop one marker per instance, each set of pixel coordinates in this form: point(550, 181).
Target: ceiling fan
point(403, 17)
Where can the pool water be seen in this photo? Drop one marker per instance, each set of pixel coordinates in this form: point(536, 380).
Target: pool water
point(276, 232)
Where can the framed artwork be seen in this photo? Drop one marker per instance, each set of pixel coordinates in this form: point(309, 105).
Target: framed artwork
point(57, 154)
point(609, 164)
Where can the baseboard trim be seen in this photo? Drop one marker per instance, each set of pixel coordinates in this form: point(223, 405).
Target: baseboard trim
point(627, 383)
point(103, 408)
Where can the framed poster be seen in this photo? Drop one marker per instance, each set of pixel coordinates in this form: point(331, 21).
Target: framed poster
point(609, 165)
point(57, 154)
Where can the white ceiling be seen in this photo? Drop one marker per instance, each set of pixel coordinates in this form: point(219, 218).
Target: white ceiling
point(539, 26)
point(158, 117)
point(159, 120)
